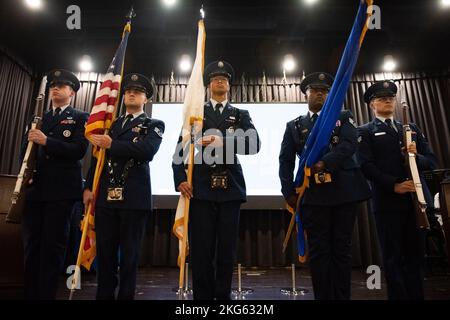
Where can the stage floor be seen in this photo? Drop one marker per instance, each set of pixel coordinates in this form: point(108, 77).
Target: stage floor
point(159, 284)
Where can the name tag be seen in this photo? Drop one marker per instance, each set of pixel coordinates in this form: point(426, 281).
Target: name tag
point(379, 133)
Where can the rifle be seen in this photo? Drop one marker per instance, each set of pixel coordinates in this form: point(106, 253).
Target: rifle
point(28, 166)
point(420, 205)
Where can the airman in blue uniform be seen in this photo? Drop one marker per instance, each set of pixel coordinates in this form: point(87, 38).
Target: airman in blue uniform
point(218, 186)
point(124, 199)
point(55, 187)
point(329, 204)
point(381, 154)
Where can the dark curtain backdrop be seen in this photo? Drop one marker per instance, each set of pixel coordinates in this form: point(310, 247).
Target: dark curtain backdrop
point(261, 231)
point(260, 239)
point(16, 95)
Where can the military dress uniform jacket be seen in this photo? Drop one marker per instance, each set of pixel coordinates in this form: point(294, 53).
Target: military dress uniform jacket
point(135, 142)
point(227, 125)
point(383, 162)
point(348, 183)
point(58, 173)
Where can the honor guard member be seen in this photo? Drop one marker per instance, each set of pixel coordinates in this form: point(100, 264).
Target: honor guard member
point(335, 187)
point(56, 186)
point(218, 187)
point(124, 198)
point(381, 154)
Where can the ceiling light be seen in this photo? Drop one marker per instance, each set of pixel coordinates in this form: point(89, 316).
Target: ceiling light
point(85, 63)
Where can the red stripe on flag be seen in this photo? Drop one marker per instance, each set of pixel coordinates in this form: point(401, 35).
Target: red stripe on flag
point(111, 84)
point(105, 98)
point(112, 101)
point(99, 116)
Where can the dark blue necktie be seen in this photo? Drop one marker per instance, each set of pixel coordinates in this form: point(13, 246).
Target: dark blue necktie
point(389, 123)
point(56, 112)
point(126, 119)
point(217, 109)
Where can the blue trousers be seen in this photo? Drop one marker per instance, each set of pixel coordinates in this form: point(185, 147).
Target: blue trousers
point(45, 233)
point(213, 232)
point(118, 229)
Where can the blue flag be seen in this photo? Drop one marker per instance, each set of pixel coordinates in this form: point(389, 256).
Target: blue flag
point(318, 140)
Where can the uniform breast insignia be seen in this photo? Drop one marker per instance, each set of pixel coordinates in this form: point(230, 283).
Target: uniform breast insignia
point(230, 119)
point(379, 134)
point(335, 140)
point(67, 133)
point(141, 130)
point(68, 121)
point(352, 122)
point(360, 139)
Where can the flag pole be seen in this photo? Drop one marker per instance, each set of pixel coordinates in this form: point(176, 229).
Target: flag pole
point(190, 171)
point(192, 124)
point(290, 228)
point(293, 211)
point(98, 169)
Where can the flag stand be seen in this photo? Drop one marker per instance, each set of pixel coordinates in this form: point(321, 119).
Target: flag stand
point(294, 291)
point(186, 291)
point(76, 278)
point(239, 293)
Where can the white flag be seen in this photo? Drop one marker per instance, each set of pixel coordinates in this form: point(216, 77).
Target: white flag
point(193, 107)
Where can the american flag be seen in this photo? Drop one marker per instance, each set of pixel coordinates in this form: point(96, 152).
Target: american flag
point(106, 100)
point(100, 120)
